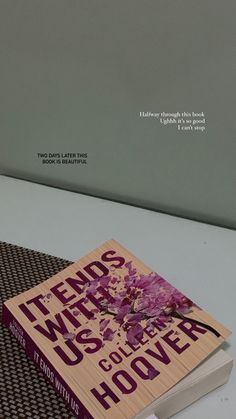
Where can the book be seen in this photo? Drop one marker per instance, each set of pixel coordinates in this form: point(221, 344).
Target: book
point(111, 335)
point(210, 374)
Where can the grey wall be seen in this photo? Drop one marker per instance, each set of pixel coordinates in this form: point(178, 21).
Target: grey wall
point(74, 76)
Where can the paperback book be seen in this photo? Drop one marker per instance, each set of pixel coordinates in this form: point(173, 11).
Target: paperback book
point(112, 336)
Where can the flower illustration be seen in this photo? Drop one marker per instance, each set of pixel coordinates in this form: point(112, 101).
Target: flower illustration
point(140, 299)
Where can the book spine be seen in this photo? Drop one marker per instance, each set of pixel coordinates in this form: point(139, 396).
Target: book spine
point(44, 365)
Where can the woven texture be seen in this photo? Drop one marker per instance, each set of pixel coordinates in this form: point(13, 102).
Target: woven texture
point(24, 392)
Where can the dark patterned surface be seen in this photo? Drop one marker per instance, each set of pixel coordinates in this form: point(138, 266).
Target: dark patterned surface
point(24, 393)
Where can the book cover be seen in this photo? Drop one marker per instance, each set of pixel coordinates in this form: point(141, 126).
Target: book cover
point(110, 334)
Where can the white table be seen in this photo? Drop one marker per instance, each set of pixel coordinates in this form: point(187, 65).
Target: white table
point(198, 258)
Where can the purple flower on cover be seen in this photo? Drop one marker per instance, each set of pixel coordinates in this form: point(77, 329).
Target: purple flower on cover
point(95, 310)
point(104, 305)
point(152, 373)
point(135, 334)
point(122, 311)
point(92, 288)
point(69, 336)
point(153, 311)
point(144, 300)
point(134, 318)
point(113, 280)
point(103, 324)
point(144, 281)
point(128, 281)
point(132, 271)
point(108, 334)
point(104, 281)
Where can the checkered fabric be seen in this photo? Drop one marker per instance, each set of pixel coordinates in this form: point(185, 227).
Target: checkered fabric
point(24, 392)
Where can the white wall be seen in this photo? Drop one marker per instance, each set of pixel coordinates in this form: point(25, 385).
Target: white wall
point(74, 76)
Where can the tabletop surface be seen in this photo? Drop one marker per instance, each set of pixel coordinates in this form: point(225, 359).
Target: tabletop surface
point(197, 258)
